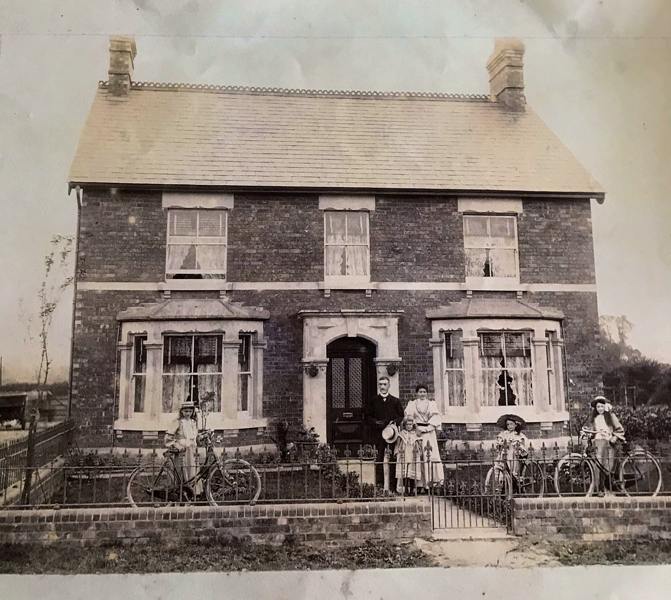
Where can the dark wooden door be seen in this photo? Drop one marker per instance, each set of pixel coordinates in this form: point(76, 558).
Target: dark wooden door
point(350, 381)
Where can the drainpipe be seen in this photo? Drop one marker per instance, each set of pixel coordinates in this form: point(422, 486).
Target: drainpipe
point(115, 395)
point(78, 196)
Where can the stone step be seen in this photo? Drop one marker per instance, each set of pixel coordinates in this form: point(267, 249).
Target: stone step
point(471, 533)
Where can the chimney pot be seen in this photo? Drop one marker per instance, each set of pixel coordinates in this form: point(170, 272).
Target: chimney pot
point(122, 52)
point(506, 73)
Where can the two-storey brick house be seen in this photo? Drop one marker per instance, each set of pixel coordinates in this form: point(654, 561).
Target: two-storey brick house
point(278, 250)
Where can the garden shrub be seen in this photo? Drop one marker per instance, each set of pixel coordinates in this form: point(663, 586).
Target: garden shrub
point(652, 423)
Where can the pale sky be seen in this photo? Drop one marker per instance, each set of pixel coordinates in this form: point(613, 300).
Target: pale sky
point(597, 72)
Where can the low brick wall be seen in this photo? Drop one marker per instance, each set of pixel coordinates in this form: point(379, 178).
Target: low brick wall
point(350, 522)
point(595, 518)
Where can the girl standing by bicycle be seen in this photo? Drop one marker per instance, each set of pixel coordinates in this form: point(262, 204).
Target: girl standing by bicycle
point(183, 435)
point(606, 430)
point(511, 443)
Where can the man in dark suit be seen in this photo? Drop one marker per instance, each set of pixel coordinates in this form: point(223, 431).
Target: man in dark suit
point(378, 412)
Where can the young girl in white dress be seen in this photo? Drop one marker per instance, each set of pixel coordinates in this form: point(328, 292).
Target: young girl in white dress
point(606, 430)
point(511, 443)
point(407, 452)
point(182, 435)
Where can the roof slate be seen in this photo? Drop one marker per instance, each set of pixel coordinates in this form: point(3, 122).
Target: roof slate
point(232, 137)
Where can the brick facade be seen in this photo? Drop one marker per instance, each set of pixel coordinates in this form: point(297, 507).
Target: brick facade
point(279, 238)
point(411, 238)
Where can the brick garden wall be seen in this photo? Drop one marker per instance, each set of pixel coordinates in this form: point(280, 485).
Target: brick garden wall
point(593, 519)
point(351, 522)
point(279, 237)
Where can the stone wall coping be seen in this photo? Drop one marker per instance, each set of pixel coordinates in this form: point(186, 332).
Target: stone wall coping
point(587, 502)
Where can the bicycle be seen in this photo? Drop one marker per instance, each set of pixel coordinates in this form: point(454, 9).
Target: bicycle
point(576, 471)
point(231, 480)
point(530, 481)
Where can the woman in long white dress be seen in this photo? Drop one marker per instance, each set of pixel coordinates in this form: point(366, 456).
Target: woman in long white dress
point(427, 418)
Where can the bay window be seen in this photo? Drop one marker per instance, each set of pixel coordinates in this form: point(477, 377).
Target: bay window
point(486, 365)
point(181, 350)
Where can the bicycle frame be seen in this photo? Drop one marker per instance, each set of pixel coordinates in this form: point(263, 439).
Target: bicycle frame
point(611, 475)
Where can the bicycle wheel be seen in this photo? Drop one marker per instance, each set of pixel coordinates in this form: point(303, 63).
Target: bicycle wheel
point(153, 485)
point(531, 480)
point(640, 474)
point(574, 475)
point(498, 482)
point(237, 482)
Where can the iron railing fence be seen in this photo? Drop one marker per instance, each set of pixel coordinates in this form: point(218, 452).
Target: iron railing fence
point(475, 480)
point(48, 444)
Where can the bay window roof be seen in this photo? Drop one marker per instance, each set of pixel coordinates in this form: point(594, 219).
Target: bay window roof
point(482, 307)
point(180, 309)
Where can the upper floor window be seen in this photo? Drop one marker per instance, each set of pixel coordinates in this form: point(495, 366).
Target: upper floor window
point(490, 244)
point(196, 243)
point(346, 246)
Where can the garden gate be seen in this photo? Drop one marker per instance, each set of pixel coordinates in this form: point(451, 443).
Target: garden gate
point(467, 499)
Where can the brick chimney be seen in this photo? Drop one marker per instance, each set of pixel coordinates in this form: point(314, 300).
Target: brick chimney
point(506, 73)
point(122, 53)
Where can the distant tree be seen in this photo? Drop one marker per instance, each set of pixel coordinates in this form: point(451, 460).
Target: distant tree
point(625, 368)
point(57, 276)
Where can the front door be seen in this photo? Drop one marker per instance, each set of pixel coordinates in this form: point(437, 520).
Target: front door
point(350, 382)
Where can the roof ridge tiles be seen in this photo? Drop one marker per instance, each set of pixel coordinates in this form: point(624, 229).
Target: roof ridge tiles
point(279, 91)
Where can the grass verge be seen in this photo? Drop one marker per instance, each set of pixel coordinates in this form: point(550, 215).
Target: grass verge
point(625, 552)
point(210, 556)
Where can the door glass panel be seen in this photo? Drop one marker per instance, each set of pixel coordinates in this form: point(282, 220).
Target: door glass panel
point(338, 382)
point(355, 382)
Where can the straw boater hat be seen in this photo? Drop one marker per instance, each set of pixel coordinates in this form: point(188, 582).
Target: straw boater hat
point(503, 420)
point(187, 404)
point(600, 400)
point(390, 433)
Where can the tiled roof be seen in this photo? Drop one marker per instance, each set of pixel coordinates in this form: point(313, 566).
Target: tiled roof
point(174, 135)
point(187, 308)
point(474, 308)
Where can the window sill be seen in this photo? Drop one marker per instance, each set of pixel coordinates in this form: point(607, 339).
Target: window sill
point(493, 283)
point(170, 285)
point(346, 283)
point(164, 421)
